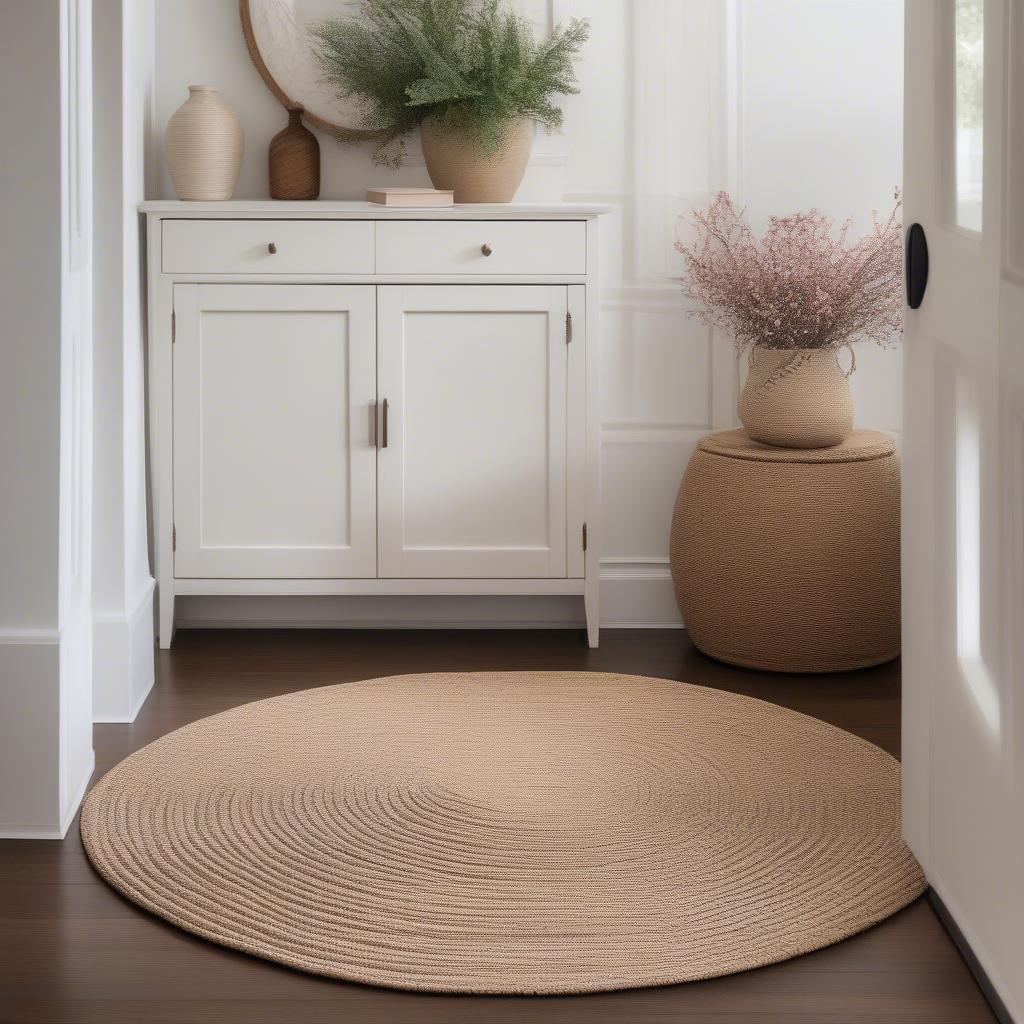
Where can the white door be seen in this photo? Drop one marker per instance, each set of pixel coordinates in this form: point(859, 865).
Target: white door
point(274, 457)
point(472, 471)
point(963, 511)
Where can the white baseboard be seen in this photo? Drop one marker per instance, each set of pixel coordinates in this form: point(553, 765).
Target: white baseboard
point(46, 754)
point(69, 813)
point(77, 796)
point(638, 595)
point(634, 595)
point(29, 637)
point(123, 671)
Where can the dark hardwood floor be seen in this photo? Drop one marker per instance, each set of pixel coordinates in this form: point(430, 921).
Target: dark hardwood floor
point(72, 951)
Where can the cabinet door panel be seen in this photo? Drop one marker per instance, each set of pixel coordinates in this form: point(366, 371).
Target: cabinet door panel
point(274, 465)
point(473, 481)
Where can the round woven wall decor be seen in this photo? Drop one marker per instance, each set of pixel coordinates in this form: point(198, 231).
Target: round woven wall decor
point(508, 832)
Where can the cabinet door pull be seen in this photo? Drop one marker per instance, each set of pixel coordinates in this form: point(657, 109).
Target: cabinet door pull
point(373, 424)
point(384, 427)
point(272, 248)
point(486, 249)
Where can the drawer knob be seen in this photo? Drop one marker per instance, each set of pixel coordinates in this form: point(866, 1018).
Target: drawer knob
point(272, 248)
point(486, 249)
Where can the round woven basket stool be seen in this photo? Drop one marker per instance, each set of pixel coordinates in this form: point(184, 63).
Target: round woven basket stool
point(789, 559)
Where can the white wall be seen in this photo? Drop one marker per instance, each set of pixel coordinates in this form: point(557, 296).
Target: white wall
point(30, 383)
point(787, 103)
point(127, 170)
point(821, 102)
point(46, 753)
point(30, 419)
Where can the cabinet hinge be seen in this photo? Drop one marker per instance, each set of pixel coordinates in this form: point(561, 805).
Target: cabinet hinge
point(174, 330)
point(174, 538)
point(584, 536)
point(568, 328)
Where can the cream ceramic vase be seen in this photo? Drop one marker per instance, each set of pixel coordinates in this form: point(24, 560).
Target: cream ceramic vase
point(203, 145)
point(796, 398)
point(453, 163)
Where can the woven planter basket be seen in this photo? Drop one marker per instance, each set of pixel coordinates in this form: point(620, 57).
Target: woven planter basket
point(789, 560)
point(454, 164)
point(796, 398)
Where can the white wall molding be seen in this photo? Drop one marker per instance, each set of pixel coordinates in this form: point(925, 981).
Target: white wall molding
point(75, 798)
point(123, 662)
point(45, 726)
point(728, 169)
point(652, 433)
point(638, 594)
point(68, 817)
point(46, 755)
point(666, 297)
point(122, 585)
point(616, 197)
point(142, 598)
point(31, 637)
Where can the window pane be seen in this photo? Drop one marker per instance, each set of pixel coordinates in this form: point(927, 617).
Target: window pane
point(970, 51)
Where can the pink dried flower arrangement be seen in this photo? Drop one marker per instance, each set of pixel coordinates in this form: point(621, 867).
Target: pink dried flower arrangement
point(799, 286)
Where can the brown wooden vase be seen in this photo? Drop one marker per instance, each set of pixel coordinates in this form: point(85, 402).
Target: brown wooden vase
point(294, 160)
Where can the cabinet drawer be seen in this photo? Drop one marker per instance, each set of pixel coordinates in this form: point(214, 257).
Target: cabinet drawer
point(461, 247)
point(267, 247)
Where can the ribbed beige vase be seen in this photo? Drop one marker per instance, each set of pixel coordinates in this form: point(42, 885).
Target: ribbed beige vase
point(454, 163)
point(796, 398)
point(203, 145)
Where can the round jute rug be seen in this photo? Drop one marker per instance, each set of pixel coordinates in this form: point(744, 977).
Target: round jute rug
point(520, 832)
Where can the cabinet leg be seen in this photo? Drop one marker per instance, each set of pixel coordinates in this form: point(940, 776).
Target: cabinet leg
point(165, 602)
point(591, 605)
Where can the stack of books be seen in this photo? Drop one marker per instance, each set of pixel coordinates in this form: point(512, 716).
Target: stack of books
point(409, 197)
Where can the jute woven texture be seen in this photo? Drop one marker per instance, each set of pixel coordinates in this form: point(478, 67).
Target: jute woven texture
point(789, 560)
point(796, 398)
point(509, 832)
point(454, 164)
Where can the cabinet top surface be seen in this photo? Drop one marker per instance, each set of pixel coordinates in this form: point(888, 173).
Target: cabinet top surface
point(348, 210)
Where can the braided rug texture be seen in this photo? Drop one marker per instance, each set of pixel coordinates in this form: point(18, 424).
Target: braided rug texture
point(508, 832)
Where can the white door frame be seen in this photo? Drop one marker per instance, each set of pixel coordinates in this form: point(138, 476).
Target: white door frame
point(963, 493)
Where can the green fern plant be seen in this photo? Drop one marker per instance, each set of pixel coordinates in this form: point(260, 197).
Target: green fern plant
point(473, 66)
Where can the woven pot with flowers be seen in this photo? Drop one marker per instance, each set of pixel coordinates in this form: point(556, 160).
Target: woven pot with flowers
point(794, 298)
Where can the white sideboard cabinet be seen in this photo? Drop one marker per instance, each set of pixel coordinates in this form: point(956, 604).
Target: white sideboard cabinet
point(347, 399)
